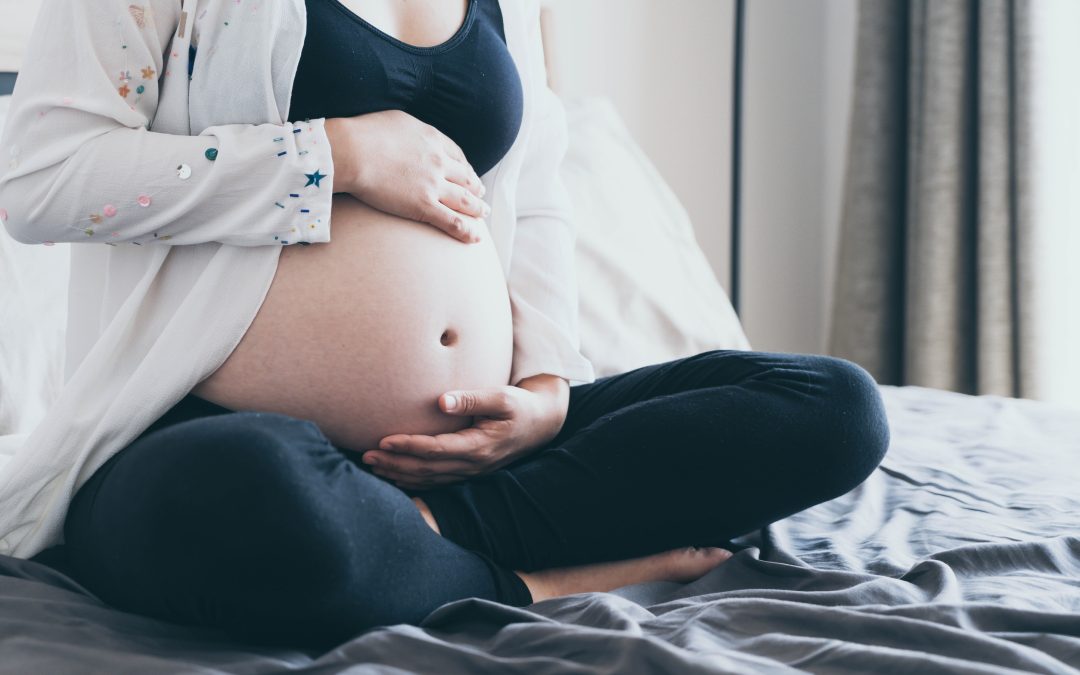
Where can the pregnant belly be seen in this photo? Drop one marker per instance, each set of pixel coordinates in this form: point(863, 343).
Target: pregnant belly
point(363, 334)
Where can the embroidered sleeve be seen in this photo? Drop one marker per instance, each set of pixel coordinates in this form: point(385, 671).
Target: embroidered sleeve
point(78, 162)
point(542, 282)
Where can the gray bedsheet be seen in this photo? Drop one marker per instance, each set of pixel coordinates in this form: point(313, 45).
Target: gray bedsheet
point(959, 554)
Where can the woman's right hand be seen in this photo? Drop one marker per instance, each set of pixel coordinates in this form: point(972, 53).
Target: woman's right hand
point(398, 164)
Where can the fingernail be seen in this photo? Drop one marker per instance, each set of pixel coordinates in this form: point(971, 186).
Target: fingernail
point(370, 459)
point(387, 445)
point(451, 402)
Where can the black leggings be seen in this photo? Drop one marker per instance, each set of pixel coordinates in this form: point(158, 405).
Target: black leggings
point(255, 524)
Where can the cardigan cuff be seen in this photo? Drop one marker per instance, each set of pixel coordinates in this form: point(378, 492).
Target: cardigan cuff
point(310, 209)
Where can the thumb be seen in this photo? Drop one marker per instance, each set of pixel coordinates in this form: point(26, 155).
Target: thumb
point(493, 401)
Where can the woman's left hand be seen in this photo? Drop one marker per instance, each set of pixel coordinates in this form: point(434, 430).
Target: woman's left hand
point(511, 421)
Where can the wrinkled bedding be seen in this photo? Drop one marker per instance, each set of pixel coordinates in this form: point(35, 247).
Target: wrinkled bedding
point(960, 553)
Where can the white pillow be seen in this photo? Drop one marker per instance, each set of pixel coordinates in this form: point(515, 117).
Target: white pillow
point(33, 319)
point(646, 291)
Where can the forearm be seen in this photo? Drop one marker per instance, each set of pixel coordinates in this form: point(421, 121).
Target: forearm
point(85, 166)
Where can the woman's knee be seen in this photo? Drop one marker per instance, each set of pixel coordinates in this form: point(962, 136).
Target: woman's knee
point(226, 504)
point(252, 472)
point(853, 427)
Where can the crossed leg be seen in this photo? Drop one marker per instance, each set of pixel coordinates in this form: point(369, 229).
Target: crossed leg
point(693, 451)
point(254, 523)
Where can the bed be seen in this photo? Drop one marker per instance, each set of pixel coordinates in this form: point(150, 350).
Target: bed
point(960, 553)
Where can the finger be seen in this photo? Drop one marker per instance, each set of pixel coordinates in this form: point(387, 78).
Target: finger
point(453, 149)
point(455, 152)
point(463, 174)
point(463, 201)
point(458, 226)
point(463, 444)
point(491, 402)
point(415, 466)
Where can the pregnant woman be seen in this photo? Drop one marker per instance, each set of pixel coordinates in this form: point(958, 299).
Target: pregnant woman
point(295, 443)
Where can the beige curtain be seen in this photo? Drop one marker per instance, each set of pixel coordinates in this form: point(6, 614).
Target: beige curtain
point(935, 272)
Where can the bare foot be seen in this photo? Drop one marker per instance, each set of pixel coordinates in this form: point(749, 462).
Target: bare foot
point(681, 564)
point(426, 513)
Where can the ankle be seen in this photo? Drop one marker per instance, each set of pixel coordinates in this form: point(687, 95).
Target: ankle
point(537, 588)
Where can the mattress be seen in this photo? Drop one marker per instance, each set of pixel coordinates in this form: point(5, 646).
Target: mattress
point(960, 553)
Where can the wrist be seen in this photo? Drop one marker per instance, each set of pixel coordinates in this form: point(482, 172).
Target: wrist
point(556, 389)
point(341, 152)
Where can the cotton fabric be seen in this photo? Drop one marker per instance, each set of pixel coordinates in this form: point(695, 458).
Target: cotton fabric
point(466, 86)
point(917, 570)
point(254, 523)
point(107, 144)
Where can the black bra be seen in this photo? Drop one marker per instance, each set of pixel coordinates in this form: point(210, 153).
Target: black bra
point(467, 87)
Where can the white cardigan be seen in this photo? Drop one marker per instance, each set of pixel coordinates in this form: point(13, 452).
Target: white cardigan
point(106, 145)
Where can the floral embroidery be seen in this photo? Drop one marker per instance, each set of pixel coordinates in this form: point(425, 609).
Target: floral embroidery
point(139, 14)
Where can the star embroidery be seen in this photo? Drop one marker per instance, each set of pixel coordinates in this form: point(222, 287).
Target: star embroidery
point(314, 178)
point(148, 73)
point(124, 91)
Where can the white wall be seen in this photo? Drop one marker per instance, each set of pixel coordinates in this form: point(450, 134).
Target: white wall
point(667, 66)
point(799, 68)
point(1053, 178)
point(16, 20)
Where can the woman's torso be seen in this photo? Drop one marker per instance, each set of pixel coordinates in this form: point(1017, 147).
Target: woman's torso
point(362, 334)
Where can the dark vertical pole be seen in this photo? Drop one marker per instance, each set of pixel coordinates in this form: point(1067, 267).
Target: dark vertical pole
point(736, 153)
point(7, 83)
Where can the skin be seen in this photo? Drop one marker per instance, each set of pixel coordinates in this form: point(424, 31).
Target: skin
point(351, 333)
point(450, 327)
point(367, 334)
